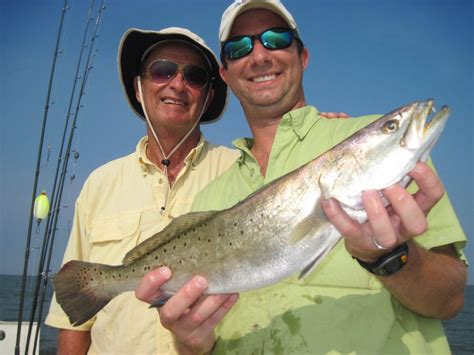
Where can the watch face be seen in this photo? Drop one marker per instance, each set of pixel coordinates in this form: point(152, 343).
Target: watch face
point(391, 264)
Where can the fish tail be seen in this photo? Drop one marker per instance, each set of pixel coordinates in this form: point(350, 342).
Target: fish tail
point(80, 290)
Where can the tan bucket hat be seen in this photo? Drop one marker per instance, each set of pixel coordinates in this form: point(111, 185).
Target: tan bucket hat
point(133, 45)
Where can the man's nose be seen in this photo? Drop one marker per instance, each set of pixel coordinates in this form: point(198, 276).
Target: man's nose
point(259, 53)
point(177, 82)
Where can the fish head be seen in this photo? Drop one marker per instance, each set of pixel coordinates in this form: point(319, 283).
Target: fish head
point(381, 154)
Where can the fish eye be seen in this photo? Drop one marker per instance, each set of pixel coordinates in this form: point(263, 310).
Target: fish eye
point(390, 126)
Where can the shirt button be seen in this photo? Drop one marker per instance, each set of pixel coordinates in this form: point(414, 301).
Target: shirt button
point(160, 181)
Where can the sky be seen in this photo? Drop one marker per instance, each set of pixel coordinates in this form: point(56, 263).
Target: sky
point(366, 56)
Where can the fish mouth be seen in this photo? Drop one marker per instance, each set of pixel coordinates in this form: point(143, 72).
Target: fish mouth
point(422, 132)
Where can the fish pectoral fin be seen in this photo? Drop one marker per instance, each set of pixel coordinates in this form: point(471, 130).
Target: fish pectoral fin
point(178, 226)
point(309, 226)
point(327, 240)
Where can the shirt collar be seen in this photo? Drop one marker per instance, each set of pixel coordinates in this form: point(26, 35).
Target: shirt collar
point(299, 121)
point(146, 163)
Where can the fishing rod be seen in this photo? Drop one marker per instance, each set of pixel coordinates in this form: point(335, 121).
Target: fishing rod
point(53, 210)
point(53, 230)
point(35, 183)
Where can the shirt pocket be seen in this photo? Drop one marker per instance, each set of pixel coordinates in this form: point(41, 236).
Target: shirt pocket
point(112, 237)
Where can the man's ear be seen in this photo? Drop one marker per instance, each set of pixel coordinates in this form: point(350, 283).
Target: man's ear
point(304, 58)
point(223, 73)
point(135, 86)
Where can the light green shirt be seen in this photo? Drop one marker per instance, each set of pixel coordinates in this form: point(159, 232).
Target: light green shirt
point(339, 307)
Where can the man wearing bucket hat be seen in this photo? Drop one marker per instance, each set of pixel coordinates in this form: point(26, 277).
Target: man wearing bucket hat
point(171, 81)
point(340, 307)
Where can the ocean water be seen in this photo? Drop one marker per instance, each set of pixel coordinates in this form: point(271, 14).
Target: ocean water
point(460, 330)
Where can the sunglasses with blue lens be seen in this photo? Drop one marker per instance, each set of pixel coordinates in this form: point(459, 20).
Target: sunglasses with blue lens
point(272, 39)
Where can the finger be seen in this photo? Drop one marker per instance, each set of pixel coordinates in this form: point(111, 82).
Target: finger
point(207, 326)
point(378, 219)
point(148, 288)
point(202, 310)
point(343, 223)
point(431, 189)
point(179, 304)
point(412, 218)
point(343, 115)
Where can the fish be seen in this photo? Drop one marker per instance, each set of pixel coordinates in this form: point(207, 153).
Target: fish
point(272, 234)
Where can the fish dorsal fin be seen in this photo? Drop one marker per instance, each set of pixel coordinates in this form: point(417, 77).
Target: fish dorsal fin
point(178, 226)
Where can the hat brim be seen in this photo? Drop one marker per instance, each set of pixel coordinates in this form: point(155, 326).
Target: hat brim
point(132, 46)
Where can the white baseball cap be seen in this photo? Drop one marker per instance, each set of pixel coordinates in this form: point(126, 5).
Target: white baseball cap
point(134, 45)
point(240, 6)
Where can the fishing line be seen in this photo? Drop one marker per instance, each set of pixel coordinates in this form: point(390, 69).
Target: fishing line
point(52, 231)
point(35, 184)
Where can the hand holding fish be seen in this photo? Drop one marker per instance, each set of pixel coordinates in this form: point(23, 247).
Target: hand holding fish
point(385, 229)
point(190, 315)
point(420, 285)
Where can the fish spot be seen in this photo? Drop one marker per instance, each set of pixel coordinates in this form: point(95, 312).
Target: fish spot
point(184, 244)
point(241, 232)
point(235, 224)
point(230, 243)
point(209, 240)
point(164, 250)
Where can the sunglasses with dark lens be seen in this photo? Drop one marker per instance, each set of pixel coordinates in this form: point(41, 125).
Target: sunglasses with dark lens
point(272, 39)
point(163, 71)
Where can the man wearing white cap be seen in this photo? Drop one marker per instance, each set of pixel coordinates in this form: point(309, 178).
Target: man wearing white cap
point(377, 292)
point(170, 80)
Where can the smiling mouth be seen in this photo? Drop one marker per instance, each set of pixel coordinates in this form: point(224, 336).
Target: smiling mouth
point(263, 78)
point(173, 102)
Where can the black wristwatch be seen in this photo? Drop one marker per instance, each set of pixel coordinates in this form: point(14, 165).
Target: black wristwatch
point(388, 264)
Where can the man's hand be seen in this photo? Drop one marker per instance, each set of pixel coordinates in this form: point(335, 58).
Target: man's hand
point(334, 114)
point(190, 315)
point(432, 282)
point(403, 219)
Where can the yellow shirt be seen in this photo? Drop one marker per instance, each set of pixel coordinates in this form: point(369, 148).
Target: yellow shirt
point(118, 208)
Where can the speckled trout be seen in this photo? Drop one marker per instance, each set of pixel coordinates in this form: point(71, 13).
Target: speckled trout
point(279, 230)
